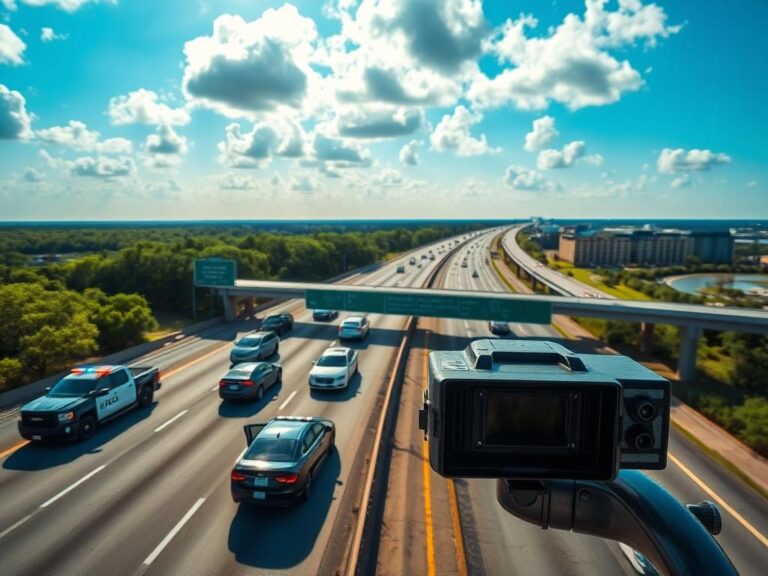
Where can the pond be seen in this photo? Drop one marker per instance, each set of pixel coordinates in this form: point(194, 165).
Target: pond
point(693, 283)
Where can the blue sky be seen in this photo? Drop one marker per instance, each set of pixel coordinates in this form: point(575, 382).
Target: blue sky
point(382, 108)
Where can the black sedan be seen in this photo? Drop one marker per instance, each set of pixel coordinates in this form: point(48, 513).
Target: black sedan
point(319, 314)
point(497, 327)
point(249, 381)
point(282, 459)
point(278, 323)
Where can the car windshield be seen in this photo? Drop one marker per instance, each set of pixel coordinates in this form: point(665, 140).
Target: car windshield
point(73, 387)
point(272, 449)
point(248, 342)
point(351, 324)
point(332, 360)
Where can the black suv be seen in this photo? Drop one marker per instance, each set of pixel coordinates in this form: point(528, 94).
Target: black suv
point(278, 323)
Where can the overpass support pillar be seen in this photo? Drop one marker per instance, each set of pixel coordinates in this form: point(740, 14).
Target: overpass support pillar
point(689, 343)
point(230, 308)
point(534, 283)
point(646, 337)
point(249, 306)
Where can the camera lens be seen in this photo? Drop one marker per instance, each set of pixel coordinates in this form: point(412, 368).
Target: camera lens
point(644, 441)
point(646, 411)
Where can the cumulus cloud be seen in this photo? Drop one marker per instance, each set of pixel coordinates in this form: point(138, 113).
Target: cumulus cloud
point(66, 5)
point(594, 159)
point(452, 133)
point(542, 133)
point(388, 177)
point(144, 107)
point(48, 35)
point(165, 148)
point(77, 136)
point(232, 181)
point(386, 123)
point(246, 67)
point(33, 176)
point(303, 183)
point(255, 148)
point(572, 63)
point(679, 160)
point(341, 153)
point(550, 159)
point(11, 47)
point(522, 178)
point(15, 121)
point(409, 154)
point(682, 181)
point(102, 167)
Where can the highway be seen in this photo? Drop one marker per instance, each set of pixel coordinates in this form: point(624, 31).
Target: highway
point(497, 543)
point(150, 492)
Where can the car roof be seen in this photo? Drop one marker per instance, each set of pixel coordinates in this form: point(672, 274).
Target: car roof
point(354, 318)
point(246, 367)
point(284, 428)
point(260, 333)
point(338, 351)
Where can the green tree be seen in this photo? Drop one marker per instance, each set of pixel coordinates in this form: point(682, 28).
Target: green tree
point(10, 370)
point(751, 418)
point(121, 319)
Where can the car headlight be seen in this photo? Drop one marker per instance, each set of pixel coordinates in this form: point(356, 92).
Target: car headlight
point(341, 377)
point(67, 417)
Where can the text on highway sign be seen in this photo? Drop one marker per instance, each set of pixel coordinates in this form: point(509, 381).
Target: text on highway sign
point(213, 272)
point(464, 307)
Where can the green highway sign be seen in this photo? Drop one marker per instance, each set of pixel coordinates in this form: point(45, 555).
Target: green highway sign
point(215, 272)
point(466, 307)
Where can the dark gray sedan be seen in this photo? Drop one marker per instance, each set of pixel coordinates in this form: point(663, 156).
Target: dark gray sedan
point(249, 381)
point(282, 459)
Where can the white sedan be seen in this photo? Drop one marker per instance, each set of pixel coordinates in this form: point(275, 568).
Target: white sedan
point(334, 369)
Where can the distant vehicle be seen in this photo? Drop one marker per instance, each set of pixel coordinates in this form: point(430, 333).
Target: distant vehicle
point(278, 323)
point(475, 274)
point(324, 314)
point(464, 264)
point(487, 261)
point(334, 369)
point(432, 256)
point(497, 327)
point(401, 269)
point(282, 458)
point(419, 266)
point(423, 256)
point(249, 381)
point(86, 397)
point(254, 347)
point(412, 261)
point(354, 328)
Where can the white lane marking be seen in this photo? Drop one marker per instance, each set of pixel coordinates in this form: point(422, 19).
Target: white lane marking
point(171, 421)
point(73, 486)
point(290, 397)
point(160, 547)
point(466, 324)
point(215, 388)
point(332, 344)
point(12, 528)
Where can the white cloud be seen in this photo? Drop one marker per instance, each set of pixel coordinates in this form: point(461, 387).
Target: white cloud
point(48, 35)
point(341, 153)
point(522, 178)
point(102, 167)
point(255, 148)
point(388, 177)
point(15, 121)
point(594, 159)
point(679, 160)
point(571, 63)
point(550, 159)
point(542, 133)
point(751, 183)
point(77, 136)
point(143, 107)
point(682, 181)
point(165, 148)
point(232, 181)
point(11, 47)
point(409, 153)
point(246, 67)
point(66, 5)
point(452, 133)
point(33, 176)
point(303, 183)
point(381, 123)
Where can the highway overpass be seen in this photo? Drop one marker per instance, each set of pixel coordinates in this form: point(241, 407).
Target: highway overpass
point(691, 319)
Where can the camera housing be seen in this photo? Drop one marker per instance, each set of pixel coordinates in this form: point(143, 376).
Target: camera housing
point(535, 410)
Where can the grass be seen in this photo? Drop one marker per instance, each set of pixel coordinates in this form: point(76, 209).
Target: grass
point(169, 323)
point(590, 278)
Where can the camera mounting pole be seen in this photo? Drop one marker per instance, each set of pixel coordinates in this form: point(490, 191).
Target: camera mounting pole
point(632, 509)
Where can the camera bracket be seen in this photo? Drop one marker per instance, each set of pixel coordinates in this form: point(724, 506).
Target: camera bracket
point(632, 509)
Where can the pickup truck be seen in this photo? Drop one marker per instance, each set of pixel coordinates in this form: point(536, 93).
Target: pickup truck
point(86, 397)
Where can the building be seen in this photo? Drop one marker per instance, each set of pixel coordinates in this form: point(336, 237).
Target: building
point(546, 235)
point(646, 246)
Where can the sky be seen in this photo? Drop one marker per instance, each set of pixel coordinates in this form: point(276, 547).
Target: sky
point(248, 109)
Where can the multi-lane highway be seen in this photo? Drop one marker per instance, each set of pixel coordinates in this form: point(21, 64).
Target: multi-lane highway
point(497, 543)
point(150, 492)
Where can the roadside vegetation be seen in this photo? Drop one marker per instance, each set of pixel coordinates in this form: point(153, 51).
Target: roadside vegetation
point(731, 387)
point(122, 279)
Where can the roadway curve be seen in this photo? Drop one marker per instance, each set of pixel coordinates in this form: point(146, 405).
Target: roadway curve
point(150, 492)
point(498, 543)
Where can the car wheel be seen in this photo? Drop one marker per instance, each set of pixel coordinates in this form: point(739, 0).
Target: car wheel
point(277, 348)
point(279, 377)
point(146, 396)
point(87, 428)
point(307, 489)
point(260, 392)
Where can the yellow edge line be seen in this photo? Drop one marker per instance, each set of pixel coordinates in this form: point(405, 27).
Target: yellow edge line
point(727, 507)
point(460, 558)
point(430, 540)
point(13, 448)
